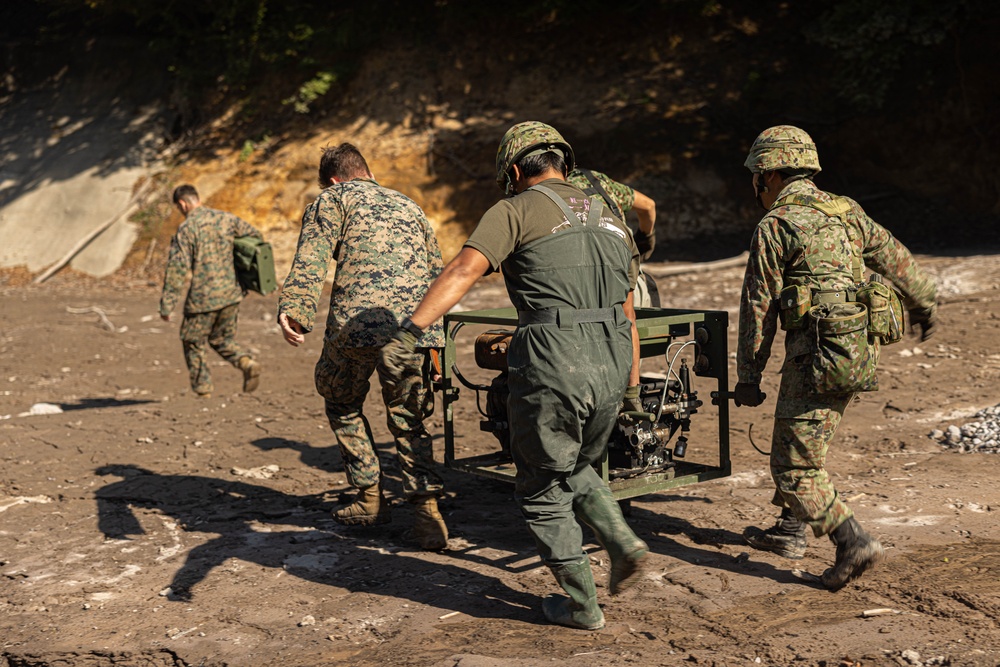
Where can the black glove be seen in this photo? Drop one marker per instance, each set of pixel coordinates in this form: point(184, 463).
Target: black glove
point(747, 394)
point(926, 319)
point(397, 352)
point(645, 243)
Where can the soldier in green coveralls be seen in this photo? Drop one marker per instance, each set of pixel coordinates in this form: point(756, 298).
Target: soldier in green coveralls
point(387, 256)
point(203, 249)
point(809, 249)
point(570, 267)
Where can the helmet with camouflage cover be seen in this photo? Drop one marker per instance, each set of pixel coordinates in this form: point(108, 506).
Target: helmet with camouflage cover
point(782, 147)
point(529, 138)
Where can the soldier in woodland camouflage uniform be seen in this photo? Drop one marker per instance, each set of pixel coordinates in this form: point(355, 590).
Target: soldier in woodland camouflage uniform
point(621, 199)
point(386, 255)
point(203, 248)
point(570, 267)
point(800, 247)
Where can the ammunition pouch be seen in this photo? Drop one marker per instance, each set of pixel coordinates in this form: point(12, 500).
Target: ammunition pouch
point(843, 360)
point(796, 300)
point(885, 311)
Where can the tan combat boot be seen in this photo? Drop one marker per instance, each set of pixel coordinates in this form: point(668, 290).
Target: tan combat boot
point(428, 525)
point(251, 373)
point(368, 509)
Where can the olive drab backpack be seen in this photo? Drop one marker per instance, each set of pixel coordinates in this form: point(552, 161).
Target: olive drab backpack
point(846, 332)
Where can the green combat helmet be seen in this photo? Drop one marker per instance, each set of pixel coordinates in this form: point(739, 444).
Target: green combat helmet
point(524, 139)
point(782, 147)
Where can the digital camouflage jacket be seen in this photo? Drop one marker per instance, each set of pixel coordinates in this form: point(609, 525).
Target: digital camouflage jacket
point(386, 254)
point(203, 249)
point(785, 250)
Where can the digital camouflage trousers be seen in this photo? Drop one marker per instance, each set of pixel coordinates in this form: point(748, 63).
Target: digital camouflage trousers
point(217, 329)
point(342, 379)
point(804, 425)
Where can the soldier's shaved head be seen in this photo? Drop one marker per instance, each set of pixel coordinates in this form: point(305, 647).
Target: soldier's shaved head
point(343, 162)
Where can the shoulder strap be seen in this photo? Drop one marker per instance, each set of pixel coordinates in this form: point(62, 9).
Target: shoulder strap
point(596, 205)
point(838, 208)
point(598, 189)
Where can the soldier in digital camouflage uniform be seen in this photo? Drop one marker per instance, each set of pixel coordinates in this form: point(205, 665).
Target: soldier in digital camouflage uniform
point(621, 199)
point(570, 267)
point(386, 255)
point(203, 249)
point(799, 243)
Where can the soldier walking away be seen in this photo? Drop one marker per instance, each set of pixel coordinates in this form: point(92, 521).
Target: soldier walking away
point(806, 268)
point(387, 256)
point(203, 249)
point(621, 199)
point(570, 267)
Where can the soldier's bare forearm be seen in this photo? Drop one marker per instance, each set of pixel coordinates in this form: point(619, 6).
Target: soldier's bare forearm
point(455, 280)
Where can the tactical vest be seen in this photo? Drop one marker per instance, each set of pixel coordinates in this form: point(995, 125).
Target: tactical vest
point(884, 304)
point(821, 274)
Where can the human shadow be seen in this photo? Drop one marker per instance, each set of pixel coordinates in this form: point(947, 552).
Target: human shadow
point(326, 458)
point(97, 403)
point(657, 530)
point(259, 524)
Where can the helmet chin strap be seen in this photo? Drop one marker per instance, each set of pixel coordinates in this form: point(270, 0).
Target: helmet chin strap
point(509, 185)
point(759, 189)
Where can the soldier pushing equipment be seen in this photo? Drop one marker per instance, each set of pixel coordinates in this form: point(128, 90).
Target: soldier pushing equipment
point(570, 267)
point(386, 255)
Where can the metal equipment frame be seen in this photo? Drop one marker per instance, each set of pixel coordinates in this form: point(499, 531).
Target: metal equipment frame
point(658, 327)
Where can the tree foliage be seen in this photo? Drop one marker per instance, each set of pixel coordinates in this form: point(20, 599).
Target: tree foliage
point(875, 42)
point(232, 44)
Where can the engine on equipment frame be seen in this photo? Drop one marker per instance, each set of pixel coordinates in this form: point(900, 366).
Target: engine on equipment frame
point(646, 449)
point(641, 442)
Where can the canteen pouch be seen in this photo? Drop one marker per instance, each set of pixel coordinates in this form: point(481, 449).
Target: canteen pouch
point(795, 301)
point(491, 349)
point(885, 311)
point(843, 359)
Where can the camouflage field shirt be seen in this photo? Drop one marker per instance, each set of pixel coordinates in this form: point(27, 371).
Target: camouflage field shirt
point(387, 256)
point(203, 249)
point(778, 255)
point(623, 195)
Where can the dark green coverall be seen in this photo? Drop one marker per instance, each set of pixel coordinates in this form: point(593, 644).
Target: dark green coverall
point(569, 359)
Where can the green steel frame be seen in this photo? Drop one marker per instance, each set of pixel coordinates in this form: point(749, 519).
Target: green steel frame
point(658, 327)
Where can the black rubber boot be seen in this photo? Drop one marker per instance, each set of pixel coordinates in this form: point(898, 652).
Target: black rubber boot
point(787, 537)
point(599, 510)
point(580, 609)
point(857, 551)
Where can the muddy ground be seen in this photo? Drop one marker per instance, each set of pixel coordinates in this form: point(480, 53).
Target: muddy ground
point(143, 526)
